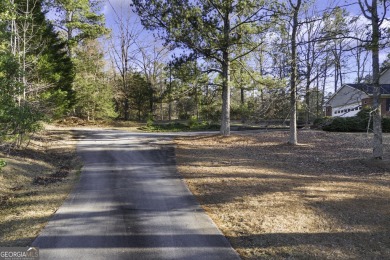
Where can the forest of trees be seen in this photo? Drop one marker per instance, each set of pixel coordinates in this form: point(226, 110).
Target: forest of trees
point(213, 61)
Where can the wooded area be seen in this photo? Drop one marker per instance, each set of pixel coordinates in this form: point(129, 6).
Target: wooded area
point(210, 61)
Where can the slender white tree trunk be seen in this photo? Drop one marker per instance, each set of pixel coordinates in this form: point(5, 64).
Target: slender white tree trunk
point(293, 137)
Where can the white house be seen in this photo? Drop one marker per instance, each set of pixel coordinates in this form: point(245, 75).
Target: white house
point(350, 98)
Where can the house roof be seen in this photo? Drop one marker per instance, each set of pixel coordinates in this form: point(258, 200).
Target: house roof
point(368, 88)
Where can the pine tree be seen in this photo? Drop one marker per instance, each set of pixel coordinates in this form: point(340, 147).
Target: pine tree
point(211, 29)
point(78, 20)
point(94, 95)
point(34, 69)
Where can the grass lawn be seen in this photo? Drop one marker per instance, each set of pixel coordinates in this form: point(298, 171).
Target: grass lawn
point(322, 199)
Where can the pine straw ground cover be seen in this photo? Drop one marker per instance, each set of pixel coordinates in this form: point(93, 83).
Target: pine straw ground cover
point(34, 183)
point(319, 200)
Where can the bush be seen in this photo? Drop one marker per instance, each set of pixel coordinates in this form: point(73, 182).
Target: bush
point(241, 112)
point(338, 124)
point(346, 124)
point(18, 122)
point(364, 114)
point(357, 123)
point(320, 122)
point(386, 125)
point(212, 114)
point(193, 122)
point(149, 120)
point(2, 164)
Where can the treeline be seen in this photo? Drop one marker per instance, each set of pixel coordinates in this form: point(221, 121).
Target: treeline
point(243, 60)
point(280, 53)
point(49, 68)
point(36, 74)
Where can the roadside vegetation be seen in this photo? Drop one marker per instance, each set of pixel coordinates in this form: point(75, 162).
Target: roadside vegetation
point(34, 182)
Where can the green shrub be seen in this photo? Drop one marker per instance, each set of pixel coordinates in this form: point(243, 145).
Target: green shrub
point(212, 114)
point(149, 120)
point(18, 122)
point(338, 124)
point(193, 122)
point(2, 164)
point(364, 114)
point(358, 123)
point(386, 125)
point(320, 122)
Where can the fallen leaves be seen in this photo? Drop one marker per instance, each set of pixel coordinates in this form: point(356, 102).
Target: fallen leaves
point(320, 199)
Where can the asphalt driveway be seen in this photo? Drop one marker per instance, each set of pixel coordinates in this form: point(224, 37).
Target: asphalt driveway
point(130, 204)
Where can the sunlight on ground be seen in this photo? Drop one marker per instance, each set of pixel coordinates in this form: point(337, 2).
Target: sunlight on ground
point(315, 200)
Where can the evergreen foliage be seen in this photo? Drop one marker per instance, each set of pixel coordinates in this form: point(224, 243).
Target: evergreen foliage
point(211, 29)
point(358, 123)
point(35, 72)
point(94, 94)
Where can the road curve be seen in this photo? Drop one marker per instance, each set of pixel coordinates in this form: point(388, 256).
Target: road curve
point(130, 204)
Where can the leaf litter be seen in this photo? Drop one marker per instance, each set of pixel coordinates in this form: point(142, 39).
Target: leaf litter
point(322, 199)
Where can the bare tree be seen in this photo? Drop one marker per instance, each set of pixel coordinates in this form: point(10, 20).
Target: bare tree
point(123, 50)
point(295, 8)
point(359, 52)
point(151, 61)
point(371, 12)
point(311, 54)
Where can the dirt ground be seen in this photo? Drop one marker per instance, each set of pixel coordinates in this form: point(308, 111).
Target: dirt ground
point(34, 183)
point(322, 199)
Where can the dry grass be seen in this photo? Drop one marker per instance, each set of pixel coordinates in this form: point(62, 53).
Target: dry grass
point(25, 206)
point(318, 200)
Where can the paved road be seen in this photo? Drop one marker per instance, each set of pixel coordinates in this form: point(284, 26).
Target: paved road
point(130, 204)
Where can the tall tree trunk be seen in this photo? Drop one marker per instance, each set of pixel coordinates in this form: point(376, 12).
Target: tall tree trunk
point(293, 138)
point(242, 95)
point(377, 115)
point(69, 19)
point(126, 109)
point(308, 75)
point(324, 82)
point(225, 124)
point(317, 97)
point(339, 64)
point(151, 100)
point(307, 99)
point(170, 93)
point(225, 121)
